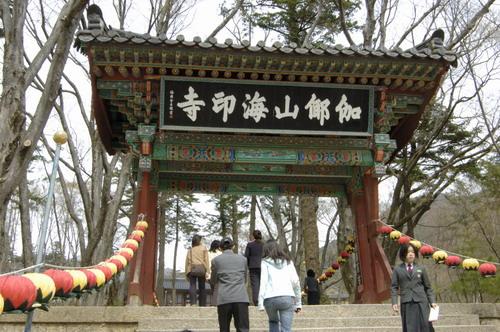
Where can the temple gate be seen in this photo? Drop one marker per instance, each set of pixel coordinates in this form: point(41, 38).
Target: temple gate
point(203, 116)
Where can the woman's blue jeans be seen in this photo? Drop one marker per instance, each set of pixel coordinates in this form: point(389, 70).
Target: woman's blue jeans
point(280, 312)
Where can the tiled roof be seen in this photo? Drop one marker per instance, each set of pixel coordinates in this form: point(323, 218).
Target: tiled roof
point(98, 32)
point(432, 49)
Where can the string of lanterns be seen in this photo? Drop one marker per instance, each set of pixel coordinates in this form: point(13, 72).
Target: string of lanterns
point(341, 260)
point(30, 291)
point(486, 269)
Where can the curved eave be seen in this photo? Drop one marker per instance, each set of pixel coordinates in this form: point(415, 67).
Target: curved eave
point(403, 132)
point(101, 116)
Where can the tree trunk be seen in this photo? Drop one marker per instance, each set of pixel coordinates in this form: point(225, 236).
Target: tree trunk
point(279, 223)
point(160, 279)
point(308, 208)
point(235, 227)
point(4, 243)
point(24, 205)
point(348, 270)
point(295, 229)
point(252, 214)
point(176, 245)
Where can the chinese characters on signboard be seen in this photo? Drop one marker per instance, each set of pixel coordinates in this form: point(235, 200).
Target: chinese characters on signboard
point(256, 107)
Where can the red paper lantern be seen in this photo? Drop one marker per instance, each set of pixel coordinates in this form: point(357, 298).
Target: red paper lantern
point(335, 266)
point(328, 274)
point(100, 277)
point(426, 251)
point(63, 281)
point(344, 254)
point(18, 293)
point(108, 274)
point(487, 270)
point(132, 244)
point(404, 239)
point(453, 261)
point(45, 286)
point(118, 263)
point(127, 253)
point(137, 235)
point(91, 279)
point(111, 266)
point(385, 230)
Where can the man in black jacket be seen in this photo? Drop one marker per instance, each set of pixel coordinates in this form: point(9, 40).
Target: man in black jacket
point(253, 253)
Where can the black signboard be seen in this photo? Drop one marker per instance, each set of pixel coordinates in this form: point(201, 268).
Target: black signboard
point(219, 105)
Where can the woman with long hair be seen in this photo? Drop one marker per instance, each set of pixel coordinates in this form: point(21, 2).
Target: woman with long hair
point(279, 293)
point(196, 268)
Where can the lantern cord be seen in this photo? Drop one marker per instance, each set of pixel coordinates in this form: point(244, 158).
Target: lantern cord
point(29, 268)
point(42, 265)
point(62, 267)
point(449, 252)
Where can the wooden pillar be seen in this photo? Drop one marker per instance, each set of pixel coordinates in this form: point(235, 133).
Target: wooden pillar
point(143, 269)
point(375, 271)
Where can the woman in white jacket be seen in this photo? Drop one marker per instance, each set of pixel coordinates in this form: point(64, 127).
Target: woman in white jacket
point(280, 293)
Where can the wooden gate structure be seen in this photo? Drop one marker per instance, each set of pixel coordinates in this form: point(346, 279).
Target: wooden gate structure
point(204, 116)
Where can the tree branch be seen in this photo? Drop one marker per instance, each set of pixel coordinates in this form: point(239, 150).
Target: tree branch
point(307, 38)
point(471, 24)
point(237, 6)
point(417, 23)
point(343, 23)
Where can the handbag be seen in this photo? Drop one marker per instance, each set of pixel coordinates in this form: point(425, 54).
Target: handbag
point(197, 270)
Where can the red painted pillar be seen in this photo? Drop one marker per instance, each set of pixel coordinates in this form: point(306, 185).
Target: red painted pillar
point(374, 286)
point(143, 268)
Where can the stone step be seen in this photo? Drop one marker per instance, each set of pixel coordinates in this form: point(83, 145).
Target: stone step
point(443, 328)
point(347, 310)
point(301, 322)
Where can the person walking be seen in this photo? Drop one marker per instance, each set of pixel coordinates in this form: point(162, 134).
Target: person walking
point(311, 286)
point(196, 269)
point(279, 292)
point(253, 253)
point(213, 252)
point(229, 274)
point(412, 282)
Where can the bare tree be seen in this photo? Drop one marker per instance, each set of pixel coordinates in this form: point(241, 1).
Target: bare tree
point(19, 139)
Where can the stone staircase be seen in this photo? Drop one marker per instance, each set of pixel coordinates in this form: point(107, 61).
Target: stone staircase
point(348, 318)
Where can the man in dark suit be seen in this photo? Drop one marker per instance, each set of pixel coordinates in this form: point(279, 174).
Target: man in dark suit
point(415, 291)
point(253, 253)
point(229, 271)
